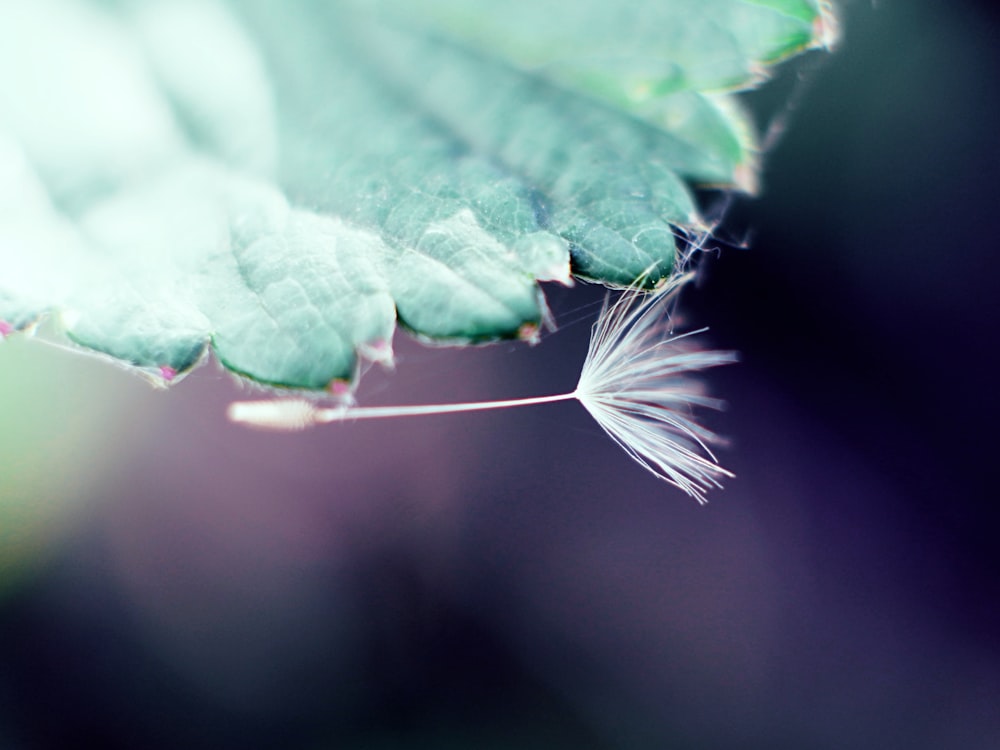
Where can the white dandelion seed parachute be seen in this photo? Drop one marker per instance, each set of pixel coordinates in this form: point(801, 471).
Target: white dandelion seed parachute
point(636, 383)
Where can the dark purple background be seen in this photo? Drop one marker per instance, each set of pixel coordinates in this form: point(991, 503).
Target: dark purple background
point(511, 580)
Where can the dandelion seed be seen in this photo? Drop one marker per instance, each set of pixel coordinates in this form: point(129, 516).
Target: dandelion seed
point(636, 383)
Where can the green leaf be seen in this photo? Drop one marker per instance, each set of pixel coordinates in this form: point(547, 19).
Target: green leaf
point(626, 52)
point(282, 183)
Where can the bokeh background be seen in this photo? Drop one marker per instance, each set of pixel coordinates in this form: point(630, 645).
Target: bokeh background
point(511, 580)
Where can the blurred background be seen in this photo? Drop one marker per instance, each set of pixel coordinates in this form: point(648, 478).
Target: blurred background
point(511, 580)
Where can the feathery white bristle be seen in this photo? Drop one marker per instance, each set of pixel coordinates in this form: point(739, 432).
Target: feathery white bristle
point(634, 383)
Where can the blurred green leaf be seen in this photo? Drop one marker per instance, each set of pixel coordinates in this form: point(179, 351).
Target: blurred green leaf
point(65, 424)
point(282, 182)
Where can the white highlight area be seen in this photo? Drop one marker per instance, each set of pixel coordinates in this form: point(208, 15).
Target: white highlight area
point(77, 94)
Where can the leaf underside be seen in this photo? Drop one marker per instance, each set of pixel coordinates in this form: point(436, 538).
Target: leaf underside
point(284, 182)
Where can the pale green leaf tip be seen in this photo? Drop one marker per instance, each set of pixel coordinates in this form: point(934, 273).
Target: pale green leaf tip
point(826, 26)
